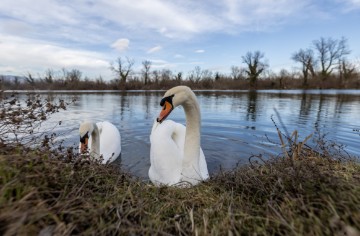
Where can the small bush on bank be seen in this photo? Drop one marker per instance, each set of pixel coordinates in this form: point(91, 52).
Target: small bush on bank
point(21, 120)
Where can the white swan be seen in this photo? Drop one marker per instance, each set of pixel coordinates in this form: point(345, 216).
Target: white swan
point(103, 138)
point(175, 152)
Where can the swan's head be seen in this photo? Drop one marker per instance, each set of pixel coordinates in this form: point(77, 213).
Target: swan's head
point(173, 97)
point(85, 130)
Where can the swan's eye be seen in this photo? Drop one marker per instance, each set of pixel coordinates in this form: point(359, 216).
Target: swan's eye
point(166, 99)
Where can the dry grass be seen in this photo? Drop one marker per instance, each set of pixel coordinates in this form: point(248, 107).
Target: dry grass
point(312, 195)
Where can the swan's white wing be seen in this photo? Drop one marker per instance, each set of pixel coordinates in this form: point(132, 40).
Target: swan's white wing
point(110, 141)
point(203, 166)
point(166, 152)
point(193, 175)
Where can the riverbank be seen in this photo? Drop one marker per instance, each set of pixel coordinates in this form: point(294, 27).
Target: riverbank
point(164, 82)
point(309, 194)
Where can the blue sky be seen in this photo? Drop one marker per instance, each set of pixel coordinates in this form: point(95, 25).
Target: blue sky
point(176, 35)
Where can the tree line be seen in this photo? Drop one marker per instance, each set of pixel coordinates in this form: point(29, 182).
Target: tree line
point(323, 65)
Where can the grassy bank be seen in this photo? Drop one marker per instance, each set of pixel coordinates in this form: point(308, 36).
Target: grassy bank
point(310, 195)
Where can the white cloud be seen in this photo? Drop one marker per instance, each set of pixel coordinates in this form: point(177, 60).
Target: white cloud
point(154, 49)
point(25, 55)
point(262, 15)
point(178, 56)
point(57, 27)
point(121, 45)
point(102, 20)
point(199, 51)
point(351, 5)
point(172, 19)
point(179, 19)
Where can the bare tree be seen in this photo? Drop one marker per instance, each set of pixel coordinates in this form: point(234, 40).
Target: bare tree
point(283, 76)
point(236, 72)
point(166, 75)
point(308, 62)
point(347, 71)
point(122, 69)
point(29, 79)
point(73, 76)
point(16, 81)
point(195, 75)
point(156, 76)
point(206, 75)
point(255, 65)
point(330, 51)
point(146, 70)
point(49, 76)
point(179, 76)
point(217, 76)
point(100, 83)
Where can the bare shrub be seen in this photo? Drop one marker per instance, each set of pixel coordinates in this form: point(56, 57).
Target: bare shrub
point(21, 120)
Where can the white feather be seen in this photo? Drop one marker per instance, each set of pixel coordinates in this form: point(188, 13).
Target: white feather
point(109, 143)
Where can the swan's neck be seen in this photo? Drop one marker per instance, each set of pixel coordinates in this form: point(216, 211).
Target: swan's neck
point(192, 138)
point(95, 143)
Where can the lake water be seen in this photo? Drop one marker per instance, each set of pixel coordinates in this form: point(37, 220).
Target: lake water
point(235, 124)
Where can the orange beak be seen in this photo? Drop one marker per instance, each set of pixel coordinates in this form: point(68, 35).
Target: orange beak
point(167, 108)
point(83, 146)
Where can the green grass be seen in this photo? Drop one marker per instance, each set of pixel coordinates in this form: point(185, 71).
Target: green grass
point(310, 195)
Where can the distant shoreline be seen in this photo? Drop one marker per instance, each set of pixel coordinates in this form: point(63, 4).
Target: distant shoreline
point(325, 91)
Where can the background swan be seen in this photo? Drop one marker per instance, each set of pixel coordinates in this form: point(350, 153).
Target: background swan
point(175, 152)
point(103, 138)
